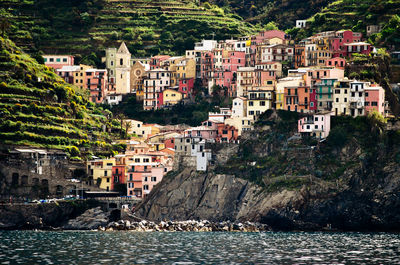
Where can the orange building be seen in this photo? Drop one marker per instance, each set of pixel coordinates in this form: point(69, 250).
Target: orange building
point(297, 98)
point(226, 133)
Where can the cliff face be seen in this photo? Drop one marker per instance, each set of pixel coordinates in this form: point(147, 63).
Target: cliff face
point(346, 188)
point(356, 204)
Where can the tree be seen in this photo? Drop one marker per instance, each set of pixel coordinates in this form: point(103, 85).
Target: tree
point(271, 26)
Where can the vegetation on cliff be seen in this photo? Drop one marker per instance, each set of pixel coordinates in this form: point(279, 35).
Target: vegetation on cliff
point(37, 108)
point(356, 16)
point(283, 13)
point(273, 159)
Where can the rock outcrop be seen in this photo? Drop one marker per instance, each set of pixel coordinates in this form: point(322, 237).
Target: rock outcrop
point(91, 219)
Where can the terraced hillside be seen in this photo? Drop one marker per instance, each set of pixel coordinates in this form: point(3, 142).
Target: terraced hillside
point(356, 15)
point(148, 27)
point(37, 108)
point(283, 13)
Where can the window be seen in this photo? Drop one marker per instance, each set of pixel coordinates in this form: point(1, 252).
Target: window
point(251, 103)
point(121, 61)
point(153, 179)
point(58, 60)
point(108, 180)
point(316, 119)
point(374, 103)
point(64, 60)
point(51, 60)
point(262, 103)
point(105, 173)
point(145, 178)
point(145, 187)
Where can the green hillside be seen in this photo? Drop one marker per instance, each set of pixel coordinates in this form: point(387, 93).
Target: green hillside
point(283, 12)
point(148, 27)
point(37, 108)
point(357, 15)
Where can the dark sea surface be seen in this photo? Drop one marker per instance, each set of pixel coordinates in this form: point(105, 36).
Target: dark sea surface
point(76, 247)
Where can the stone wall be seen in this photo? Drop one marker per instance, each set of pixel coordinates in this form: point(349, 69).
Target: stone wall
point(20, 178)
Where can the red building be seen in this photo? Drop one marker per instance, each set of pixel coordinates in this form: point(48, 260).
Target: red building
point(169, 143)
point(186, 86)
point(313, 99)
point(118, 176)
point(338, 43)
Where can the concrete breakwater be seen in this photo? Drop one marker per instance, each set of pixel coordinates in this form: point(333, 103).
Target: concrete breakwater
point(185, 226)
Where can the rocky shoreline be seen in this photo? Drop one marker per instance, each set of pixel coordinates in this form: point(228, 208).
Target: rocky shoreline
point(185, 226)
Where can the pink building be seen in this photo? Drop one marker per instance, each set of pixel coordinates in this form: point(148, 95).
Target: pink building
point(235, 60)
point(318, 125)
point(203, 132)
point(315, 75)
point(155, 61)
point(374, 99)
point(337, 62)
point(186, 86)
point(58, 61)
point(96, 83)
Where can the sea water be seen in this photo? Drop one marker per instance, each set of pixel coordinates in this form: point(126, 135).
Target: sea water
point(77, 247)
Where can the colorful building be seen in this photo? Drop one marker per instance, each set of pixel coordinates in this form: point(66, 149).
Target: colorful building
point(58, 61)
point(317, 125)
point(157, 81)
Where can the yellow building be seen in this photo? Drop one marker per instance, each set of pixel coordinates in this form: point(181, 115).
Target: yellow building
point(171, 97)
point(291, 81)
point(186, 68)
point(171, 65)
point(80, 76)
point(101, 171)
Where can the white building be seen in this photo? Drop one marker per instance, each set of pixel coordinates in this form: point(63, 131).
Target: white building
point(301, 23)
point(205, 45)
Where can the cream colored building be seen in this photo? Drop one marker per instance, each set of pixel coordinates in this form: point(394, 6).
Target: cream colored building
point(241, 123)
point(245, 79)
point(341, 97)
point(258, 102)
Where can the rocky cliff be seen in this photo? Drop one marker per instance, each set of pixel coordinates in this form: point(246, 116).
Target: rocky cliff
point(293, 185)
